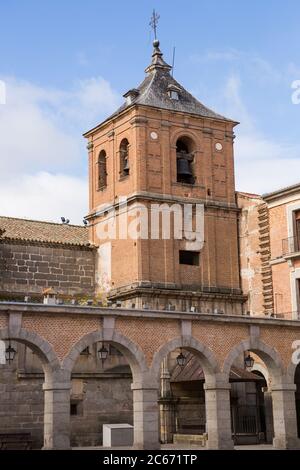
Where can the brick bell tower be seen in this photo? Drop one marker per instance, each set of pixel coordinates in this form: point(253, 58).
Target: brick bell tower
point(163, 147)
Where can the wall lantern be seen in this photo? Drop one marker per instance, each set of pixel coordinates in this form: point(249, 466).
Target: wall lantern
point(181, 359)
point(10, 353)
point(102, 353)
point(248, 361)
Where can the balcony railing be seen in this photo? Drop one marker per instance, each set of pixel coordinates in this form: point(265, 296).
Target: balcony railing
point(294, 315)
point(290, 245)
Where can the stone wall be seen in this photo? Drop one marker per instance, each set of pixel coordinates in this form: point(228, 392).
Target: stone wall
point(26, 269)
point(21, 405)
point(104, 400)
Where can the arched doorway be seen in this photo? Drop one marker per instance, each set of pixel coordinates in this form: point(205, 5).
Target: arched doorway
point(191, 392)
point(105, 372)
point(282, 391)
point(27, 367)
point(249, 411)
point(100, 393)
point(297, 397)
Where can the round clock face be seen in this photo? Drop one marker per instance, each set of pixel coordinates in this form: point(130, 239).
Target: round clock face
point(219, 146)
point(153, 135)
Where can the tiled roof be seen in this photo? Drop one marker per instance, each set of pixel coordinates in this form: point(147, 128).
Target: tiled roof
point(250, 195)
point(45, 232)
point(153, 91)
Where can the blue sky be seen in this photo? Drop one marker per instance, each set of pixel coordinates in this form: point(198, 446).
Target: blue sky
point(67, 63)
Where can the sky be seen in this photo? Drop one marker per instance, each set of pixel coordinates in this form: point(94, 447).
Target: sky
point(66, 64)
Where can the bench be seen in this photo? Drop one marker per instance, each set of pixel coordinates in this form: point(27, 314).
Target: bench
point(190, 439)
point(15, 441)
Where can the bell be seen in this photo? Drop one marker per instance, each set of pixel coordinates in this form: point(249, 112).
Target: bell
point(184, 167)
point(126, 166)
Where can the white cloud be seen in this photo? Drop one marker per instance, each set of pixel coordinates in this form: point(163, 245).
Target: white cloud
point(234, 103)
point(44, 196)
point(40, 128)
point(42, 150)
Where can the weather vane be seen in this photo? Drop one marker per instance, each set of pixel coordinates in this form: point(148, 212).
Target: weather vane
point(154, 21)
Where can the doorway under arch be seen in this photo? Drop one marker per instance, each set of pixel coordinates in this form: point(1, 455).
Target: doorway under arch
point(22, 407)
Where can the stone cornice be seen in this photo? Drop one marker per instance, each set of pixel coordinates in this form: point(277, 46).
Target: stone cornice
point(168, 198)
point(38, 309)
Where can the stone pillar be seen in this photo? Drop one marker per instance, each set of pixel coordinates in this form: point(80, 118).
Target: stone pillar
point(269, 417)
point(166, 405)
point(145, 417)
point(218, 416)
point(285, 417)
point(57, 415)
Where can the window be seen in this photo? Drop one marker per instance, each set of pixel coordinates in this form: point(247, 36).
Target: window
point(174, 95)
point(189, 257)
point(124, 158)
point(185, 158)
point(76, 407)
point(73, 409)
point(102, 173)
point(173, 92)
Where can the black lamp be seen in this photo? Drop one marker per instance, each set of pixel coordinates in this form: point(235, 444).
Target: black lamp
point(181, 359)
point(248, 361)
point(10, 353)
point(102, 353)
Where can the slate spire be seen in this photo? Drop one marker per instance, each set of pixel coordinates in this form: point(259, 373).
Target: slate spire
point(157, 62)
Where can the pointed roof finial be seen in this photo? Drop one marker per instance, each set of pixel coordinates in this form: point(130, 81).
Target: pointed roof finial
point(157, 60)
point(154, 22)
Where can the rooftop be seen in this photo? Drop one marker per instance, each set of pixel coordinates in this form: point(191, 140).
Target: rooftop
point(248, 195)
point(282, 192)
point(45, 232)
point(156, 91)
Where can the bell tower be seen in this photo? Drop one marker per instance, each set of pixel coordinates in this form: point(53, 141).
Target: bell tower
point(160, 152)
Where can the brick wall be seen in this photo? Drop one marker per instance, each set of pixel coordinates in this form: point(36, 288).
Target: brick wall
point(153, 174)
point(26, 269)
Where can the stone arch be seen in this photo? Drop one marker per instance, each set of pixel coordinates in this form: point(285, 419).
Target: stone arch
point(263, 370)
point(291, 371)
point(53, 377)
point(124, 156)
point(208, 360)
point(131, 351)
point(294, 362)
point(181, 133)
point(102, 169)
point(39, 345)
point(269, 355)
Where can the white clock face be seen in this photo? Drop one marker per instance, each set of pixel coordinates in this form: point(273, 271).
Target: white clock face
point(219, 146)
point(153, 135)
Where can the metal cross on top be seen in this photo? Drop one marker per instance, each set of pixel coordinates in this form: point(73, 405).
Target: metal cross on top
point(154, 21)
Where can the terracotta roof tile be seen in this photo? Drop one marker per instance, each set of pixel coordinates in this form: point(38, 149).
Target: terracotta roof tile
point(45, 232)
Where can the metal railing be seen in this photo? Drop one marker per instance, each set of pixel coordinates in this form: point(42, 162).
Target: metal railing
point(293, 315)
point(290, 245)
